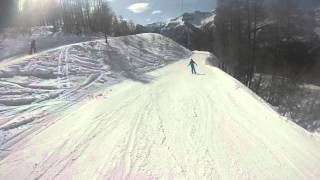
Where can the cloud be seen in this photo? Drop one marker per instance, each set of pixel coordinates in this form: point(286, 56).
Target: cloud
point(138, 7)
point(148, 20)
point(157, 12)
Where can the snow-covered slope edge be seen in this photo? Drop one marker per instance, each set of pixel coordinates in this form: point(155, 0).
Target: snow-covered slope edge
point(37, 86)
point(179, 126)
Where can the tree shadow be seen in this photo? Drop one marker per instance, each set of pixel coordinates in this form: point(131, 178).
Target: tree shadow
point(120, 63)
point(139, 77)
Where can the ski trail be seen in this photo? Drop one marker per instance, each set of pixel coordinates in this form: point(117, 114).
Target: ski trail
point(63, 67)
point(179, 126)
point(63, 70)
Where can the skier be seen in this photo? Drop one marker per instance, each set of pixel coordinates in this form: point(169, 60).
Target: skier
point(33, 47)
point(106, 38)
point(193, 68)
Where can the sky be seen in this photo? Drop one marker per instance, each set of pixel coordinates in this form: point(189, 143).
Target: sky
point(149, 11)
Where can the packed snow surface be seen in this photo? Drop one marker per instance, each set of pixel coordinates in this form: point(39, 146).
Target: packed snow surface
point(175, 126)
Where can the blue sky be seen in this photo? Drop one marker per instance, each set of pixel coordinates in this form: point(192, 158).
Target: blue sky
point(148, 11)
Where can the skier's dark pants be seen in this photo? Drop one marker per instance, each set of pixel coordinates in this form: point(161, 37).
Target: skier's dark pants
point(193, 69)
point(32, 50)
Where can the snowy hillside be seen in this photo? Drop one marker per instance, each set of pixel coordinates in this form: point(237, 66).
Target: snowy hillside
point(176, 126)
point(34, 86)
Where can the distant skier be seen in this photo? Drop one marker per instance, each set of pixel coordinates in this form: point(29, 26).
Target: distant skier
point(106, 38)
point(33, 47)
point(193, 68)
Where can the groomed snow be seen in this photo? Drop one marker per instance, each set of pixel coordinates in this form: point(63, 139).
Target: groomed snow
point(177, 126)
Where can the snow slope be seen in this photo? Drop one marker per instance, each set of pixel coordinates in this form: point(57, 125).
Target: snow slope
point(177, 126)
point(34, 86)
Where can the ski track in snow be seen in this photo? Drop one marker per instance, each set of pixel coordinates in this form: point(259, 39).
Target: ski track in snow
point(78, 72)
point(76, 67)
point(178, 126)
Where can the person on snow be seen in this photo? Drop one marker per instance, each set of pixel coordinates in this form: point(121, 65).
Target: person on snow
point(193, 68)
point(106, 38)
point(33, 47)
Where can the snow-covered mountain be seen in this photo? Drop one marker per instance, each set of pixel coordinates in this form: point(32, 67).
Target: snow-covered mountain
point(190, 29)
point(196, 19)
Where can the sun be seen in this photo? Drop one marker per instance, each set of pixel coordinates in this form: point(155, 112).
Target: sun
point(34, 4)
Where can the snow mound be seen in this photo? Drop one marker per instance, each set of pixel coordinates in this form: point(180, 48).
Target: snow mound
point(67, 74)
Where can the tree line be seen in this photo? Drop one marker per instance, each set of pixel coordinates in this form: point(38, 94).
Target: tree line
point(266, 36)
point(72, 16)
point(272, 47)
